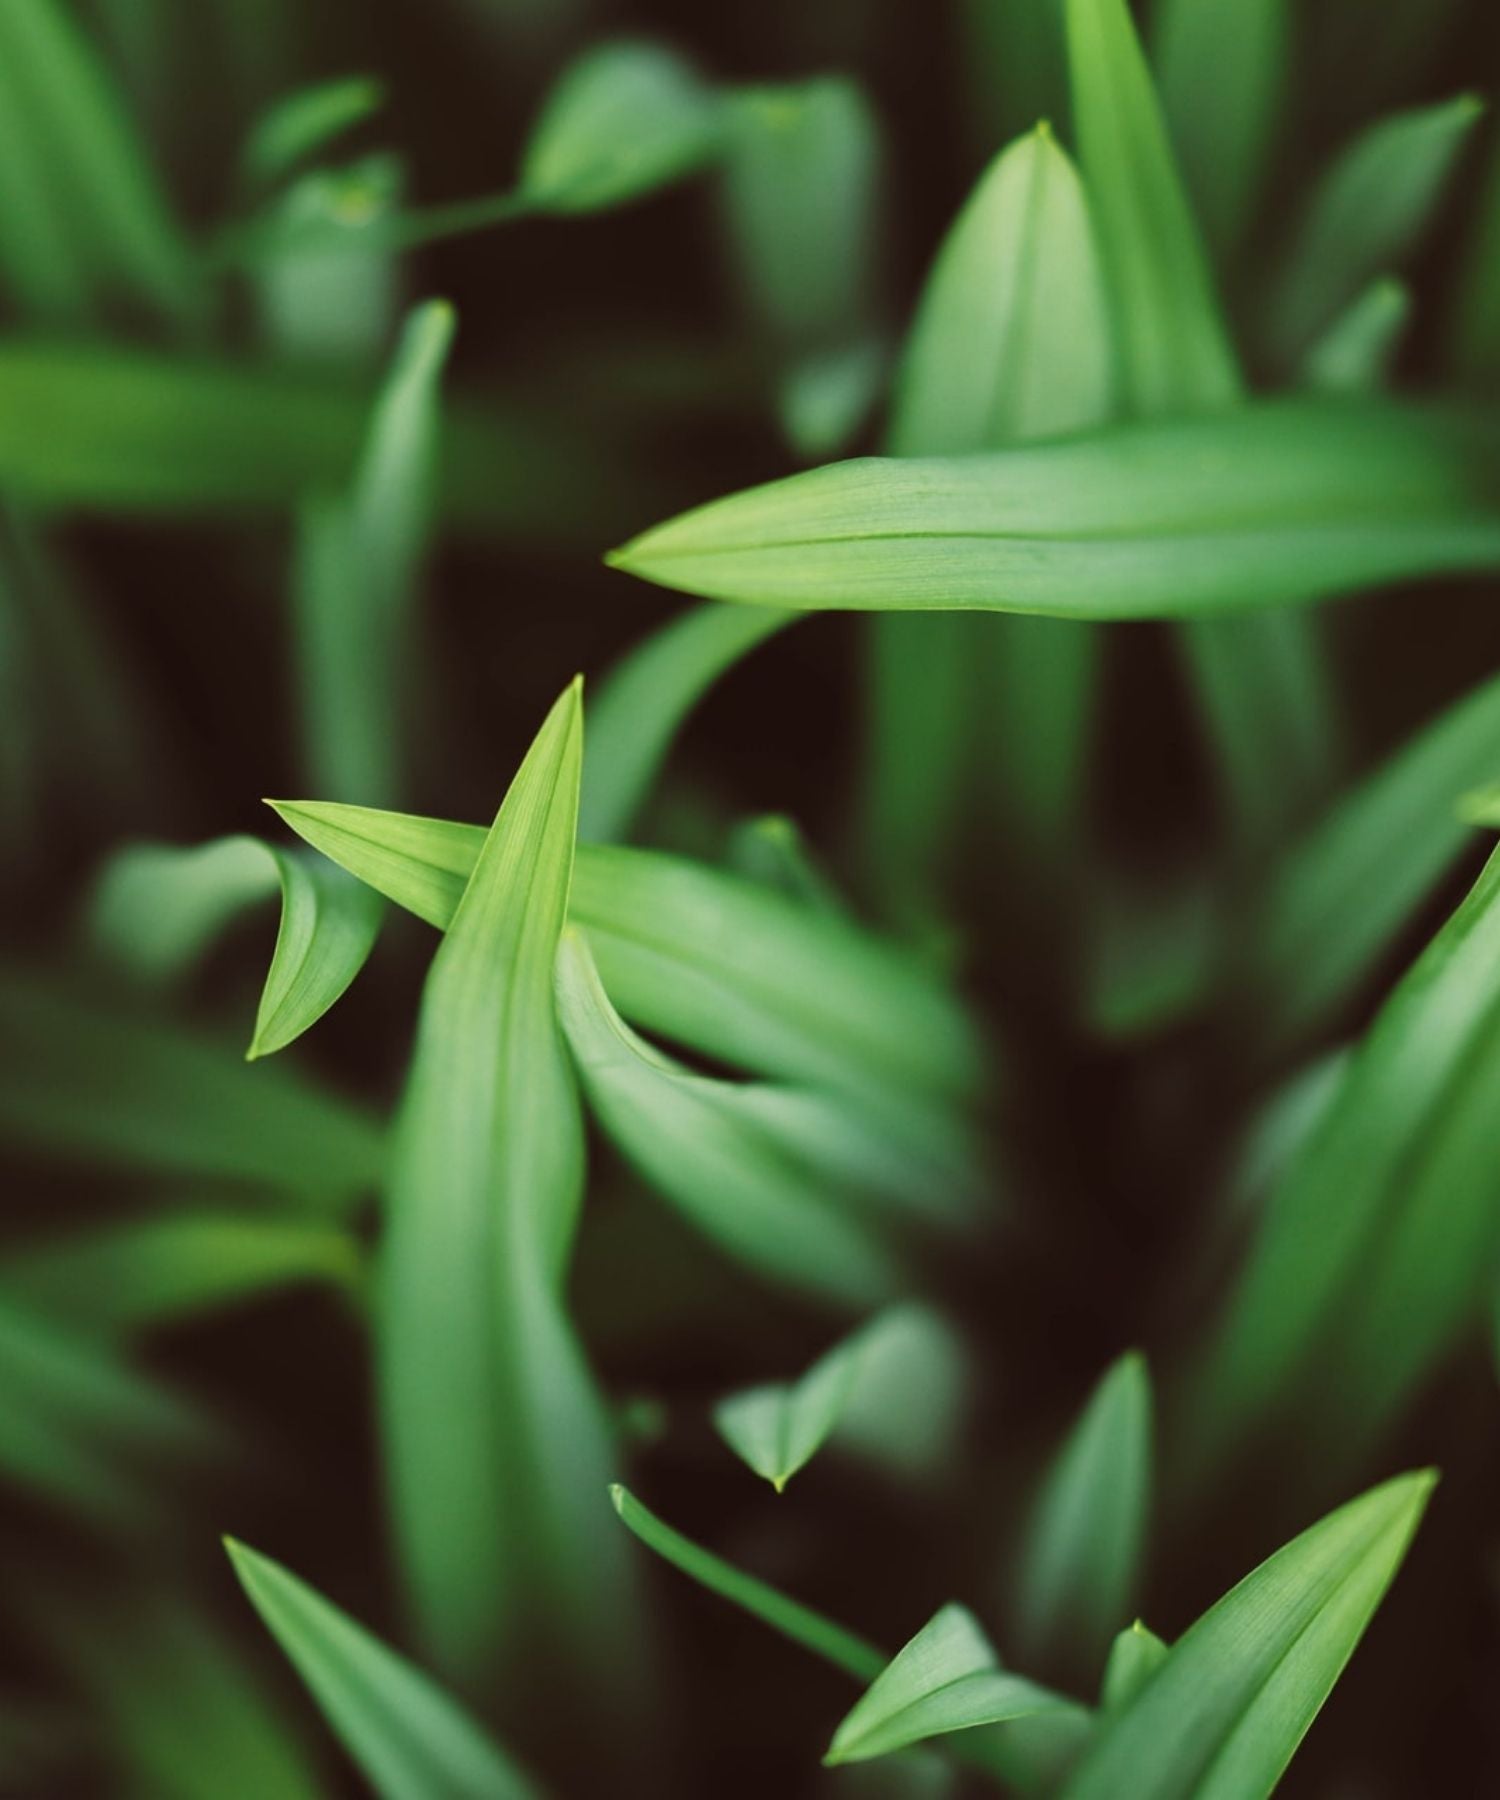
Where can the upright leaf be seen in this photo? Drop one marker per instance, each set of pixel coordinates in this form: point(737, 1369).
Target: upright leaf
point(409, 1738)
point(493, 1520)
point(1354, 355)
point(1080, 1564)
point(1134, 1658)
point(1366, 216)
point(302, 123)
point(1226, 1711)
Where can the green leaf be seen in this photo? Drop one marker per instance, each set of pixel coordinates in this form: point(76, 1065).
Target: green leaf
point(80, 160)
point(1317, 927)
point(1080, 1565)
point(141, 1273)
point(1401, 1143)
point(156, 909)
point(500, 1560)
point(411, 1740)
point(303, 123)
point(1134, 1658)
point(800, 1623)
point(1222, 66)
point(1271, 504)
point(1367, 215)
point(947, 1678)
point(770, 1174)
point(780, 1427)
point(90, 1085)
point(772, 850)
point(755, 979)
point(83, 1429)
point(646, 698)
point(1354, 355)
point(1224, 1714)
point(359, 580)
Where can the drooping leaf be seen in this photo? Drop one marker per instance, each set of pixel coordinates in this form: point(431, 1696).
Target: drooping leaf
point(410, 1739)
point(764, 1171)
point(644, 701)
point(780, 1427)
point(357, 596)
point(89, 203)
point(175, 1265)
point(156, 909)
point(1354, 355)
point(1134, 1658)
point(1400, 1140)
point(82, 1428)
point(1226, 1711)
point(1223, 66)
point(947, 1678)
point(302, 123)
point(91, 1085)
point(757, 979)
point(1267, 505)
point(1333, 906)
point(492, 1522)
point(1366, 216)
point(1080, 1564)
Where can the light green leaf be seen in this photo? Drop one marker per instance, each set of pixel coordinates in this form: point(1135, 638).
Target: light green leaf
point(756, 979)
point(1403, 1140)
point(411, 1740)
point(1328, 911)
point(302, 123)
point(1225, 1713)
point(492, 1522)
point(141, 1273)
point(800, 1623)
point(1223, 67)
point(770, 1174)
point(644, 701)
point(76, 151)
point(780, 1427)
point(89, 1085)
point(1270, 504)
point(947, 1678)
point(1354, 355)
point(1080, 1564)
point(1134, 1658)
point(83, 1429)
point(1368, 214)
point(156, 909)
point(357, 596)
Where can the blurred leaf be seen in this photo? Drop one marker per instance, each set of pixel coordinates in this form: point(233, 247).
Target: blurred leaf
point(763, 1171)
point(1013, 62)
point(1332, 908)
point(88, 218)
point(826, 396)
point(1134, 1658)
point(303, 123)
point(404, 1732)
point(90, 1085)
point(755, 978)
point(142, 1273)
point(772, 850)
point(1476, 321)
point(1152, 947)
point(492, 1520)
point(1226, 1711)
point(1223, 68)
point(780, 1427)
point(1367, 215)
point(909, 1408)
point(644, 701)
point(185, 1713)
point(947, 1678)
point(360, 578)
point(1404, 1140)
point(800, 1623)
point(1080, 1565)
point(1275, 503)
point(1354, 355)
point(83, 1429)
